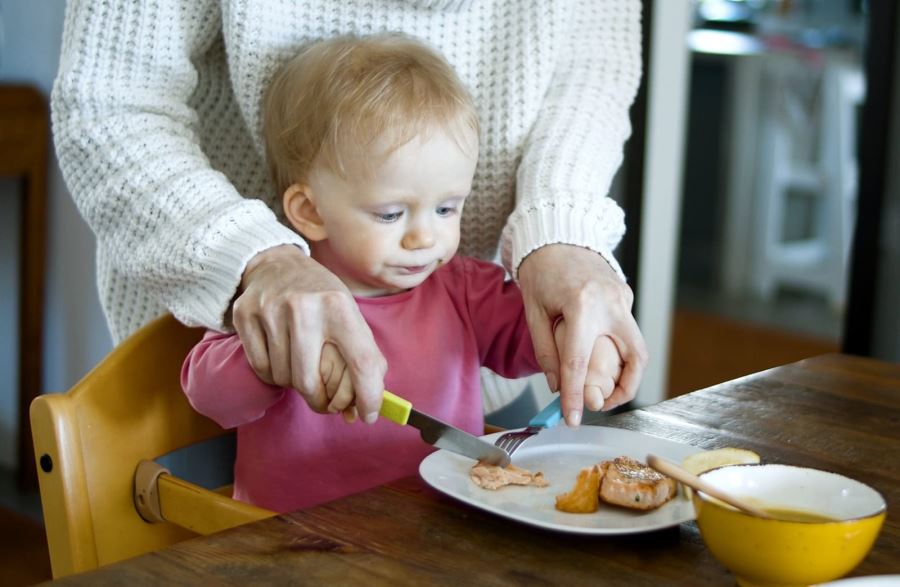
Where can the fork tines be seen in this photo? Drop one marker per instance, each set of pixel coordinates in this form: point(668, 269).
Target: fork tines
point(510, 441)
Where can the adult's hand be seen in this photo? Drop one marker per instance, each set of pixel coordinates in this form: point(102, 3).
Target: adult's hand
point(579, 285)
point(603, 369)
point(288, 308)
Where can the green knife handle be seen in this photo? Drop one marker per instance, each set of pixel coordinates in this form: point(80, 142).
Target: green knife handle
point(395, 408)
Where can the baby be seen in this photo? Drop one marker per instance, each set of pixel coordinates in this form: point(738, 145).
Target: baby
point(373, 144)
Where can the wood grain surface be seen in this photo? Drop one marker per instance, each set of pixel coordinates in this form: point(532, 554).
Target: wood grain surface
point(832, 412)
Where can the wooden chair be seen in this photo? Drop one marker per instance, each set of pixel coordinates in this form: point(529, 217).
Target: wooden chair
point(89, 444)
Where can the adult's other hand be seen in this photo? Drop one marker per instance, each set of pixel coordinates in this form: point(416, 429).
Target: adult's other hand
point(288, 308)
point(579, 285)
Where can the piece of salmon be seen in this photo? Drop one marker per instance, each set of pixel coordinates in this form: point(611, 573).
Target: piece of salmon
point(632, 484)
point(494, 476)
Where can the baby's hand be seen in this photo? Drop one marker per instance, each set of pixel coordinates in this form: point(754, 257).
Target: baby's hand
point(338, 387)
point(604, 369)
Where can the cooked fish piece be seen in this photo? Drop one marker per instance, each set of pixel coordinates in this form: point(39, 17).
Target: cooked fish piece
point(632, 484)
point(494, 476)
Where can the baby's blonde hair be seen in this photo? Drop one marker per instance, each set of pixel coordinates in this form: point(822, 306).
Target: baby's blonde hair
point(336, 98)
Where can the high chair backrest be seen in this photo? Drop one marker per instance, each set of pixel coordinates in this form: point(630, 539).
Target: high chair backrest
point(89, 441)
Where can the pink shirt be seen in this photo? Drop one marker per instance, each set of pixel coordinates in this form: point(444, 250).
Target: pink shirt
point(434, 337)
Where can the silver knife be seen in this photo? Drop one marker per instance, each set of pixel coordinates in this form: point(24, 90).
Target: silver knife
point(441, 434)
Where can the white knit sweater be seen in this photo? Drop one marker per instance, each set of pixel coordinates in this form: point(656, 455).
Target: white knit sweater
point(156, 119)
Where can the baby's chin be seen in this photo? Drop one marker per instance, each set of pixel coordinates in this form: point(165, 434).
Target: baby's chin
point(407, 282)
point(394, 284)
point(390, 279)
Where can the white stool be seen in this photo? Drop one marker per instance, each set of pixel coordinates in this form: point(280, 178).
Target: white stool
point(807, 149)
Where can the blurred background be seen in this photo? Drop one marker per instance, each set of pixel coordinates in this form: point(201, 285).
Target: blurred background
point(769, 185)
point(761, 228)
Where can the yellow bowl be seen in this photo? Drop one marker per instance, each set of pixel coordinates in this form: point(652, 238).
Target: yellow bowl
point(782, 553)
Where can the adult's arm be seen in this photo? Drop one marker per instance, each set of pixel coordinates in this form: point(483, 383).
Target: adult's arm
point(178, 229)
point(567, 168)
point(128, 147)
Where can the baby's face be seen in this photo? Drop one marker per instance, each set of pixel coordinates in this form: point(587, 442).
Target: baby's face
point(388, 233)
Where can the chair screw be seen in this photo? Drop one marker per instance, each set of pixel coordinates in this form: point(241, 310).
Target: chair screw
point(46, 463)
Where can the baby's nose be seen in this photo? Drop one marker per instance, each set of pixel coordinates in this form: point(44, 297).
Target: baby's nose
point(418, 237)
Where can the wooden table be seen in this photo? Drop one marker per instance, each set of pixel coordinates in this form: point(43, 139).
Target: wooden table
point(24, 144)
point(832, 412)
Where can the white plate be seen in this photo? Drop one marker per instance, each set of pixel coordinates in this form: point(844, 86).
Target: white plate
point(560, 453)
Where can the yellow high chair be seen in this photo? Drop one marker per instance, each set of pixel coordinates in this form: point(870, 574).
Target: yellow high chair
point(103, 497)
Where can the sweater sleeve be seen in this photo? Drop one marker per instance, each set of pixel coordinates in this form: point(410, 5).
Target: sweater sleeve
point(497, 315)
point(220, 384)
point(127, 143)
point(575, 147)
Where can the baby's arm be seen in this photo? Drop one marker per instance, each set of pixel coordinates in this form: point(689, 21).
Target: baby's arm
point(603, 371)
point(219, 383)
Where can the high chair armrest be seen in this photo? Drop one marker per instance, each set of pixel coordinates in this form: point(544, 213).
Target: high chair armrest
point(189, 506)
point(490, 429)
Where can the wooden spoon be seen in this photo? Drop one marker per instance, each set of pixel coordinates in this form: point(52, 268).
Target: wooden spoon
point(675, 472)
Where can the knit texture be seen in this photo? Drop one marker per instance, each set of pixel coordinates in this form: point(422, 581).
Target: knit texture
point(156, 119)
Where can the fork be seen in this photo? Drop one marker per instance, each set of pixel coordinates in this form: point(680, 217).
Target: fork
point(546, 418)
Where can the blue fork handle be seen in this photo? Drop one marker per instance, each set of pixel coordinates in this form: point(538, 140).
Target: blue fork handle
point(549, 416)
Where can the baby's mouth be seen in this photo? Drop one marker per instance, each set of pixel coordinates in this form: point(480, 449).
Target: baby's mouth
point(414, 269)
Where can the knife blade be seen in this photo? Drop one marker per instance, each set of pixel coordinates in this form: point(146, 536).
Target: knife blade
point(441, 434)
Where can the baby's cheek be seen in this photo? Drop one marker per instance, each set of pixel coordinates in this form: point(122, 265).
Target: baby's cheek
point(369, 258)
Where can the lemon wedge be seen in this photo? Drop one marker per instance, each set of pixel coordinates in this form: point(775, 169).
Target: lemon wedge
point(712, 459)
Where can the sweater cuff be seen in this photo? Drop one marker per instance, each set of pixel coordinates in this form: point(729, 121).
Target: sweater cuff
point(597, 226)
point(226, 245)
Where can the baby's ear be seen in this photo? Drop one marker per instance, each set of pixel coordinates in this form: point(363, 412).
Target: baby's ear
point(300, 209)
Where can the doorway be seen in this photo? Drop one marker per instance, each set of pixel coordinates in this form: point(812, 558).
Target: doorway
point(769, 186)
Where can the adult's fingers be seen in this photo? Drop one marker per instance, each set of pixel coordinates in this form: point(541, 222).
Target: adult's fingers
point(633, 351)
point(542, 338)
point(365, 363)
point(626, 388)
point(331, 368)
point(278, 345)
point(306, 357)
point(578, 342)
point(253, 339)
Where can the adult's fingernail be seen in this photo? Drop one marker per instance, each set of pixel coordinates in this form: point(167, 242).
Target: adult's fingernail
point(371, 417)
point(573, 419)
point(552, 382)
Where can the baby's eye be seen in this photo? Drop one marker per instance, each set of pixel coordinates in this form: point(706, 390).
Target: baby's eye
point(388, 217)
point(446, 210)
